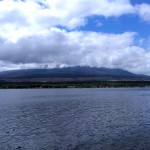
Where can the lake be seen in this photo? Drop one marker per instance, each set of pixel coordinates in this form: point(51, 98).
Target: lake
point(75, 119)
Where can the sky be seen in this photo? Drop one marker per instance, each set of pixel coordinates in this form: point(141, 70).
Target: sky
point(96, 33)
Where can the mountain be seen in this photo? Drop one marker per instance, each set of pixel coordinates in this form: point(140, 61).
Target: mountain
point(70, 73)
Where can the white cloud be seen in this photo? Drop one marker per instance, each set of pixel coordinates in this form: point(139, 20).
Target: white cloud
point(144, 11)
point(59, 47)
point(29, 37)
point(29, 17)
point(25, 18)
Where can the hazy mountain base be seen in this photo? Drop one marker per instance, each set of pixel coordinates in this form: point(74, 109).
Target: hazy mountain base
point(91, 84)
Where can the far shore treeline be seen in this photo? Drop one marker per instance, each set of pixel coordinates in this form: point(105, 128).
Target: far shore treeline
point(84, 84)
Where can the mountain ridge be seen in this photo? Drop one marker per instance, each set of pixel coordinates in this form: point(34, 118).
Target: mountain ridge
point(73, 72)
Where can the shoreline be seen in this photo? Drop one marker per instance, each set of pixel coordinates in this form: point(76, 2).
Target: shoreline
point(94, 84)
point(77, 88)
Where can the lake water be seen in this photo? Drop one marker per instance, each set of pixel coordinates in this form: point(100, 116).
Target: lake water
point(75, 119)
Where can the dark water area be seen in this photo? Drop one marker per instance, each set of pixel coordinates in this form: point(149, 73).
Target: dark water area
point(75, 119)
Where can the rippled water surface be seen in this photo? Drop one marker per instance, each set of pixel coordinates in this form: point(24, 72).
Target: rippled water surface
point(75, 119)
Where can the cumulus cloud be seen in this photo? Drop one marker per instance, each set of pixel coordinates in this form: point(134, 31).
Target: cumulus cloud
point(21, 18)
point(30, 37)
point(144, 11)
point(59, 47)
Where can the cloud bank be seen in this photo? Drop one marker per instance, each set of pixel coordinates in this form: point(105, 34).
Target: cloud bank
point(30, 36)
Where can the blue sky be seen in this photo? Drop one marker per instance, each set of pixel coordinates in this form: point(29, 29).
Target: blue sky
point(101, 33)
point(134, 2)
point(126, 23)
point(129, 22)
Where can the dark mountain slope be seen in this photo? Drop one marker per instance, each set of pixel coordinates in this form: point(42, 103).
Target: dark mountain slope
point(71, 72)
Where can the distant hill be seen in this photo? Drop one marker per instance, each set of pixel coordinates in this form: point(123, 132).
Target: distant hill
point(70, 73)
